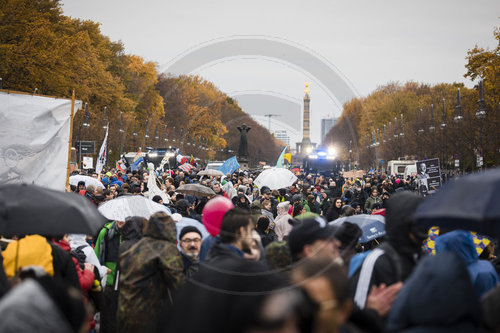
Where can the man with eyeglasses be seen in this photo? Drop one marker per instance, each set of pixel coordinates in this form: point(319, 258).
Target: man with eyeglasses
point(190, 242)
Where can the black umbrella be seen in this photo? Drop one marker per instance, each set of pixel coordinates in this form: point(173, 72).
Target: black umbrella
point(469, 203)
point(30, 209)
point(196, 189)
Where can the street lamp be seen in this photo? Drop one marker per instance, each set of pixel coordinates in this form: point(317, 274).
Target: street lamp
point(458, 119)
point(105, 120)
point(402, 133)
point(166, 134)
point(86, 116)
point(481, 114)
point(134, 134)
point(481, 110)
point(350, 154)
point(443, 127)
point(458, 109)
point(421, 129)
point(156, 135)
point(121, 133)
point(443, 116)
point(432, 128)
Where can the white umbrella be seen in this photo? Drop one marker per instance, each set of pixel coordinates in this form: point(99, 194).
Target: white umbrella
point(131, 205)
point(275, 178)
point(210, 172)
point(75, 179)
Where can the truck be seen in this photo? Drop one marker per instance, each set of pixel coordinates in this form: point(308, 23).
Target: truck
point(323, 161)
point(398, 167)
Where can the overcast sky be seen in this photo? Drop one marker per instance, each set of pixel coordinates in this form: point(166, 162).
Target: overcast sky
point(369, 42)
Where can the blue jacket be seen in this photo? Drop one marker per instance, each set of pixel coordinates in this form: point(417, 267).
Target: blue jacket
point(437, 298)
point(482, 273)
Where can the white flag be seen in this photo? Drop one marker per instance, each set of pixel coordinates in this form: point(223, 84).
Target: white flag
point(153, 189)
point(101, 160)
point(34, 139)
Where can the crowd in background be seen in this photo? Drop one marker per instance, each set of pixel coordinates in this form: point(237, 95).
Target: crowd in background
point(251, 260)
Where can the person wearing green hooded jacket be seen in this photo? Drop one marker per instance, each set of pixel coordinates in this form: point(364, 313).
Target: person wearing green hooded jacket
point(107, 248)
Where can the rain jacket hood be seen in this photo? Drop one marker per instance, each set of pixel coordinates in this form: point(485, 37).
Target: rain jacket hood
point(482, 273)
point(438, 297)
point(132, 229)
point(159, 229)
point(459, 242)
point(77, 240)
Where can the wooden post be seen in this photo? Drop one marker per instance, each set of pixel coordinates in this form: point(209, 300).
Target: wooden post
point(70, 136)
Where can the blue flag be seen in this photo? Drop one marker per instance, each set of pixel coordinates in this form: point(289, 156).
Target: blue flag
point(281, 159)
point(229, 166)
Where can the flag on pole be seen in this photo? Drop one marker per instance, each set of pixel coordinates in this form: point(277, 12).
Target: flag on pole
point(120, 166)
point(279, 163)
point(288, 157)
point(101, 160)
point(229, 166)
point(191, 160)
point(186, 167)
point(137, 160)
point(34, 139)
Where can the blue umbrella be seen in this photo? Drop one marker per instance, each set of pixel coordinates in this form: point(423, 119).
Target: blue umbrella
point(372, 226)
point(186, 221)
point(469, 203)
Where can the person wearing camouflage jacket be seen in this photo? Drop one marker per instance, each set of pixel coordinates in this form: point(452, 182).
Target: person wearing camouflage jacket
point(150, 272)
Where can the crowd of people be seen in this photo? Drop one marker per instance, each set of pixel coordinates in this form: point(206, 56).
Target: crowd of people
point(250, 259)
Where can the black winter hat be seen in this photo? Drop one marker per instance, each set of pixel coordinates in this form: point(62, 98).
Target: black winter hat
point(348, 234)
point(189, 229)
point(182, 205)
point(307, 231)
point(265, 190)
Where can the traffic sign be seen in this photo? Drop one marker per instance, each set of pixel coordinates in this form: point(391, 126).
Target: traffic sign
point(86, 147)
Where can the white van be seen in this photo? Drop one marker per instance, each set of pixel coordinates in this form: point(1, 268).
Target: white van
point(398, 167)
point(214, 165)
point(410, 170)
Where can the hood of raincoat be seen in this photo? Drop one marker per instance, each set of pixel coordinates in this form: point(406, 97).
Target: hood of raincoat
point(132, 229)
point(76, 240)
point(459, 242)
point(438, 294)
point(161, 229)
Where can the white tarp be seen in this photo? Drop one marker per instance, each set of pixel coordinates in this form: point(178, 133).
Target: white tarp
point(34, 134)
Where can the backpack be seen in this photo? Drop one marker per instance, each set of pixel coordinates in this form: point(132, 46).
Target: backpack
point(367, 262)
point(79, 255)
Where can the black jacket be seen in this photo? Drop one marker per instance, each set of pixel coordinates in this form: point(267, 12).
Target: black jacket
point(400, 252)
point(224, 296)
point(4, 282)
point(64, 267)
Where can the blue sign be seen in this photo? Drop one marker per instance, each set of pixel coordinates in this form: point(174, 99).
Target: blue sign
point(382, 162)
